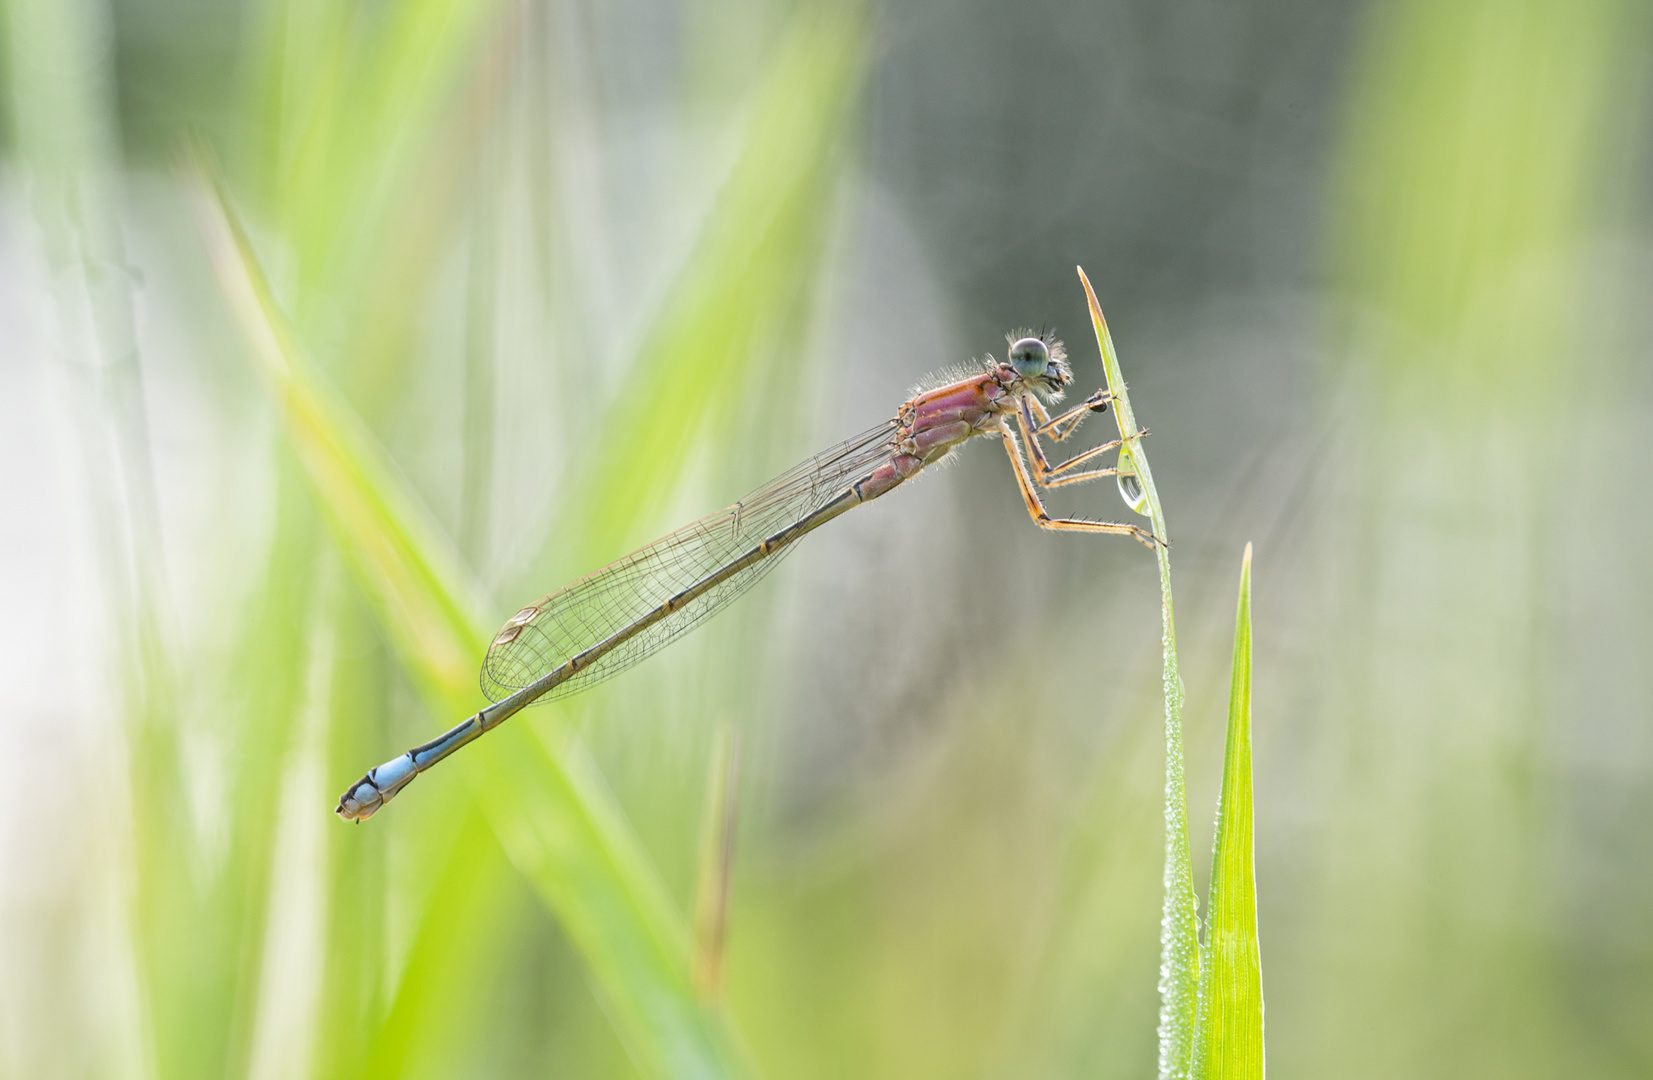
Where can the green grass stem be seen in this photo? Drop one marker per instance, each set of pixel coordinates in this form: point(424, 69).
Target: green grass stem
point(1179, 963)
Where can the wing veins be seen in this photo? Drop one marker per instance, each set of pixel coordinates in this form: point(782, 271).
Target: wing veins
point(592, 609)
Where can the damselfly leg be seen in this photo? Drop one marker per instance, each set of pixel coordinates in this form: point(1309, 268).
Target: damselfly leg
point(1067, 423)
point(1047, 475)
point(1041, 517)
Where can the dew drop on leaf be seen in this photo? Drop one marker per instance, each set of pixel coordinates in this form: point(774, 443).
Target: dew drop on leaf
point(1130, 487)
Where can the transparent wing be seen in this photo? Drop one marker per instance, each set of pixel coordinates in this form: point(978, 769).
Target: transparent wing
point(540, 638)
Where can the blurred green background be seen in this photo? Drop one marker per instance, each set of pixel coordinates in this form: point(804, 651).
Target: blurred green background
point(585, 271)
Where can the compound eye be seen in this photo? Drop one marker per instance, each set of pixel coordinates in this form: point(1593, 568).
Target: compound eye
point(1029, 357)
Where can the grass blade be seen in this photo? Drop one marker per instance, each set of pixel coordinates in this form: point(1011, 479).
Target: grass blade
point(546, 804)
point(749, 272)
point(717, 852)
point(1179, 963)
point(1230, 1039)
point(548, 808)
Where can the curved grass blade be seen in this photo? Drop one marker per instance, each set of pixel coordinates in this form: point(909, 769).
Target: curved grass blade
point(1229, 1041)
point(740, 285)
point(1179, 965)
point(759, 245)
point(546, 805)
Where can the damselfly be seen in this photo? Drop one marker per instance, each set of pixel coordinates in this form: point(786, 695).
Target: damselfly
point(608, 621)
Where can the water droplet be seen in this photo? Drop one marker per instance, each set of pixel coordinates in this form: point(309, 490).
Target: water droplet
point(1130, 485)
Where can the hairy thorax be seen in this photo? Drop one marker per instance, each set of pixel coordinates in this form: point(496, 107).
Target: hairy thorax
point(934, 423)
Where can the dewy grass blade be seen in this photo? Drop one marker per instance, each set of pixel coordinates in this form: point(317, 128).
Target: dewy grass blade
point(1179, 964)
point(548, 807)
point(1230, 1030)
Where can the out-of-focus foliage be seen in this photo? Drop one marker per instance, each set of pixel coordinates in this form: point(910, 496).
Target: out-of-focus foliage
point(552, 819)
point(569, 274)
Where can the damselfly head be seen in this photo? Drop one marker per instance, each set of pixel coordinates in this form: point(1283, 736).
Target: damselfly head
point(1040, 360)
